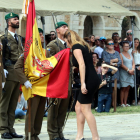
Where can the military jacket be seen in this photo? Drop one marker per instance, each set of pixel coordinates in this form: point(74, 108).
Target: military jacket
point(11, 55)
point(19, 69)
point(55, 46)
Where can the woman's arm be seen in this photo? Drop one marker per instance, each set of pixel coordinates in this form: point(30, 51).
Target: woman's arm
point(79, 57)
point(122, 65)
point(133, 64)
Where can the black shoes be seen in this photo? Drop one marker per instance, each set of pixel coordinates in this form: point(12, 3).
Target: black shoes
point(56, 138)
point(6, 136)
point(15, 135)
point(64, 139)
point(82, 139)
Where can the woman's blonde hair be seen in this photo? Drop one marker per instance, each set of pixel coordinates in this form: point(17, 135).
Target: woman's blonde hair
point(73, 38)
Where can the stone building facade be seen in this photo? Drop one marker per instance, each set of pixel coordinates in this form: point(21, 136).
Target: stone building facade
point(86, 25)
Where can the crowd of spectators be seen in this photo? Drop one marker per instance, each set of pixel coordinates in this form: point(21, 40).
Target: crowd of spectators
point(120, 54)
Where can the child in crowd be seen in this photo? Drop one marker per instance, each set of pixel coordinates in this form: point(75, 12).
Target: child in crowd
point(21, 109)
point(105, 88)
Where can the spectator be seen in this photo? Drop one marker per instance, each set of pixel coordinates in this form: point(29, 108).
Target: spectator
point(53, 35)
point(97, 43)
point(95, 61)
point(21, 109)
point(105, 88)
point(117, 46)
point(129, 39)
point(91, 41)
point(102, 42)
point(126, 73)
point(136, 53)
point(112, 57)
point(98, 49)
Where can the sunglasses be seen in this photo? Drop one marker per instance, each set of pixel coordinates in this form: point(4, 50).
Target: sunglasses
point(52, 34)
point(97, 40)
point(115, 35)
point(110, 44)
point(129, 34)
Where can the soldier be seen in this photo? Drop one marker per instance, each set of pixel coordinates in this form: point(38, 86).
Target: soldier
point(37, 102)
point(46, 51)
point(57, 113)
point(12, 49)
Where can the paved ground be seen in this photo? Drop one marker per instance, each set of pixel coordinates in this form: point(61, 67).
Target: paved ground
point(115, 127)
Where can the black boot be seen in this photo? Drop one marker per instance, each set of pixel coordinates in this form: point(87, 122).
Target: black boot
point(15, 135)
point(6, 136)
point(64, 138)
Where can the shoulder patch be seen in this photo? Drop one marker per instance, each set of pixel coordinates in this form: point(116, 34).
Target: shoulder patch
point(48, 49)
point(21, 55)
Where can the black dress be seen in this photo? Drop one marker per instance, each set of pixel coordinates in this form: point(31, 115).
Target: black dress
point(91, 78)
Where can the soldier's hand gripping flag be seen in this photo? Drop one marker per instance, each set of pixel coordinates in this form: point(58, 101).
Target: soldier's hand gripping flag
point(49, 76)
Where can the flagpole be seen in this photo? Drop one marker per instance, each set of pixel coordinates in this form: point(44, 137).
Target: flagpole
point(29, 119)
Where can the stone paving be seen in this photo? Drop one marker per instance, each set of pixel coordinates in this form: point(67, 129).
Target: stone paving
point(115, 127)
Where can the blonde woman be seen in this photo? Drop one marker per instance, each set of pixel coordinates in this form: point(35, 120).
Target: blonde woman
point(82, 59)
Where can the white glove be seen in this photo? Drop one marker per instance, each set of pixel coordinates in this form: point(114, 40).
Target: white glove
point(5, 73)
point(28, 84)
point(3, 83)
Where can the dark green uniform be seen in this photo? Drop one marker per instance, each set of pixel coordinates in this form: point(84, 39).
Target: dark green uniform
point(37, 105)
point(10, 93)
point(57, 113)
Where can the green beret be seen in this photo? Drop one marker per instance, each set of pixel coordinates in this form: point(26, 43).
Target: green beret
point(59, 24)
point(40, 30)
point(11, 15)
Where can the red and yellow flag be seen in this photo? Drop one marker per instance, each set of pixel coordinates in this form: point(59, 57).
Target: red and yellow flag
point(49, 76)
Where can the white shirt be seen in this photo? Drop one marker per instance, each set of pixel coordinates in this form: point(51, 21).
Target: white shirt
point(99, 51)
point(13, 34)
point(137, 58)
point(61, 41)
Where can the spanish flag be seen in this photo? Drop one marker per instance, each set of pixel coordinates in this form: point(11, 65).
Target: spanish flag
point(49, 76)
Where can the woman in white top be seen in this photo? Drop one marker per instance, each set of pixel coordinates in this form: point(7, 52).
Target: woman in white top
point(136, 53)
